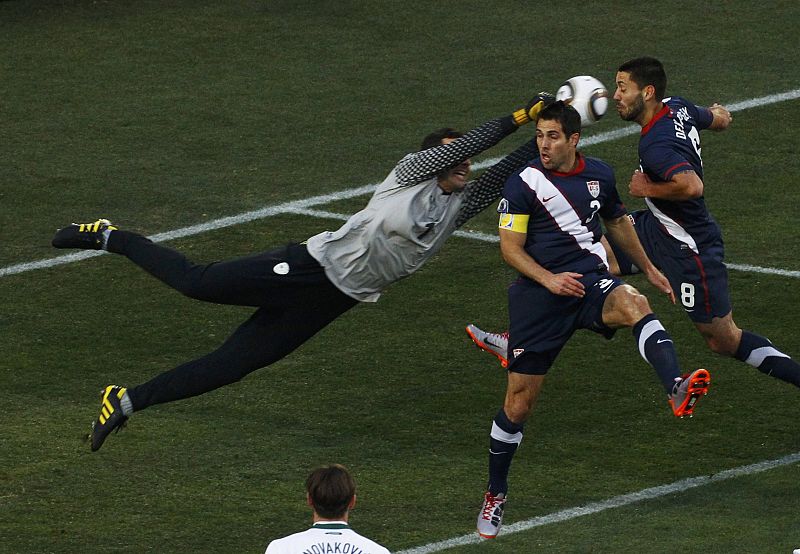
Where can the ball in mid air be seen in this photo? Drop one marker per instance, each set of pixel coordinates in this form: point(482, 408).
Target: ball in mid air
point(587, 95)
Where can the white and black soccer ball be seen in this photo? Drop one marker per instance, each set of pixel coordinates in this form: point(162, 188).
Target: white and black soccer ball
point(587, 95)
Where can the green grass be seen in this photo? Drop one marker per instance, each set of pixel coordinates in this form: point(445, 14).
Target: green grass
point(161, 115)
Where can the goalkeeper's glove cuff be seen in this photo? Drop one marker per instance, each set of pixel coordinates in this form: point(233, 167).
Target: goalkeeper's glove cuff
point(531, 111)
point(521, 117)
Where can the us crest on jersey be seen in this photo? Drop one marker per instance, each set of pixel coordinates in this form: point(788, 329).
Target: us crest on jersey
point(594, 188)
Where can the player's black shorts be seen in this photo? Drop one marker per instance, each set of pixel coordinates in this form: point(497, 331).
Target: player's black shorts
point(699, 280)
point(542, 322)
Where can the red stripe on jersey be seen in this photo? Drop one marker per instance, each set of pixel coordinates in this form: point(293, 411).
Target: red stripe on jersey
point(579, 167)
point(672, 169)
point(661, 113)
point(706, 294)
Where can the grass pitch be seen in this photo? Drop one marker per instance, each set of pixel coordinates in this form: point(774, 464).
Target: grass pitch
point(161, 115)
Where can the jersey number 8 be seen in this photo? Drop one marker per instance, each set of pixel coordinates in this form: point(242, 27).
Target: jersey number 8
point(687, 295)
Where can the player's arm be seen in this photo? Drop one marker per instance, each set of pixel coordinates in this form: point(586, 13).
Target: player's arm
point(489, 186)
point(722, 117)
point(425, 164)
point(512, 247)
point(621, 231)
point(684, 185)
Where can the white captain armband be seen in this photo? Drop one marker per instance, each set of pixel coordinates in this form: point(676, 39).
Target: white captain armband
point(514, 222)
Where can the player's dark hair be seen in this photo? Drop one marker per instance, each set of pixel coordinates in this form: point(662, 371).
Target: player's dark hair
point(566, 115)
point(331, 488)
point(647, 71)
point(436, 137)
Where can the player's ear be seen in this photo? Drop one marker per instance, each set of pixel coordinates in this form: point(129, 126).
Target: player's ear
point(649, 92)
point(352, 503)
point(308, 500)
point(573, 139)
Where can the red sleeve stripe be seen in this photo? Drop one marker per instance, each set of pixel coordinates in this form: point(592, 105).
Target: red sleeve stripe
point(668, 173)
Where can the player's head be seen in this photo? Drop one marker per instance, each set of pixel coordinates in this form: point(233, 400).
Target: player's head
point(558, 131)
point(454, 178)
point(435, 138)
point(640, 81)
point(331, 492)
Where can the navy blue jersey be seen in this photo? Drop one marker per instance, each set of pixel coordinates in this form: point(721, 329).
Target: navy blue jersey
point(670, 144)
point(559, 212)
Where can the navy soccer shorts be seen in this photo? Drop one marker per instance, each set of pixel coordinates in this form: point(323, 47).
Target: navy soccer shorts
point(542, 322)
point(700, 281)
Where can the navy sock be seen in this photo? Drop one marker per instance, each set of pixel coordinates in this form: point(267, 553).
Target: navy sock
point(504, 440)
point(758, 352)
point(657, 349)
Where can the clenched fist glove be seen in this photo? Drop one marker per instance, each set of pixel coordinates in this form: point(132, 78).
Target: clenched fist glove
point(531, 111)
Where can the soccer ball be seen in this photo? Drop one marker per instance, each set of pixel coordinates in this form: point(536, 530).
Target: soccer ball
point(587, 95)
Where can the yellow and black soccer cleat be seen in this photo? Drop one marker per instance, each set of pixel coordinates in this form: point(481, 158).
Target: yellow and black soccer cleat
point(88, 236)
point(111, 417)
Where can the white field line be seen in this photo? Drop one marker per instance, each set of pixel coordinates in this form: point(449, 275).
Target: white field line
point(289, 207)
point(610, 503)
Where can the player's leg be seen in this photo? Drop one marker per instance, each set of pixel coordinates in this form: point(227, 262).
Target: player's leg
point(253, 280)
point(521, 394)
point(538, 332)
point(266, 337)
point(624, 306)
point(504, 439)
point(724, 337)
point(248, 281)
point(701, 284)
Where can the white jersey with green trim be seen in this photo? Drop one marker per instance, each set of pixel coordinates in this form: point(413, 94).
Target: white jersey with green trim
point(409, 217)
point(329, 537)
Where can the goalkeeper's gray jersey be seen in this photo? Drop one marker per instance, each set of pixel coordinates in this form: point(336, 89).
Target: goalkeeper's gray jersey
point(409, 217)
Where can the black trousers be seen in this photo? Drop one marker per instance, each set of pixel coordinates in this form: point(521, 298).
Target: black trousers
point(293, 296)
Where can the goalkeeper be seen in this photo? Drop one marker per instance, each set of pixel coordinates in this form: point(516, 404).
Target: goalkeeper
point(299, 289)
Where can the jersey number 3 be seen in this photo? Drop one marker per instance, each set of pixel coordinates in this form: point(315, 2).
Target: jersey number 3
point(595, 206)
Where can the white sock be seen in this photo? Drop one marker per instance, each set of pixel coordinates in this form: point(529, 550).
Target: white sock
point(126, 404)
point(106, 234)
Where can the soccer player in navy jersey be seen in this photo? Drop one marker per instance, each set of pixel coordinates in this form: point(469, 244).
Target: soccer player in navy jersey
point(677, 231)
point(550, 232)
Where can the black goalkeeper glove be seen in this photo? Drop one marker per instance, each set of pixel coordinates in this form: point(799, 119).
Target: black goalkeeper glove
point(531, 111)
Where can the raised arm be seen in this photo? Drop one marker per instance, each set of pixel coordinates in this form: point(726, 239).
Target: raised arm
point(425, 164)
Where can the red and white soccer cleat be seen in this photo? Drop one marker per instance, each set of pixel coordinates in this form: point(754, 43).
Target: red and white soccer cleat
point(495, 344)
